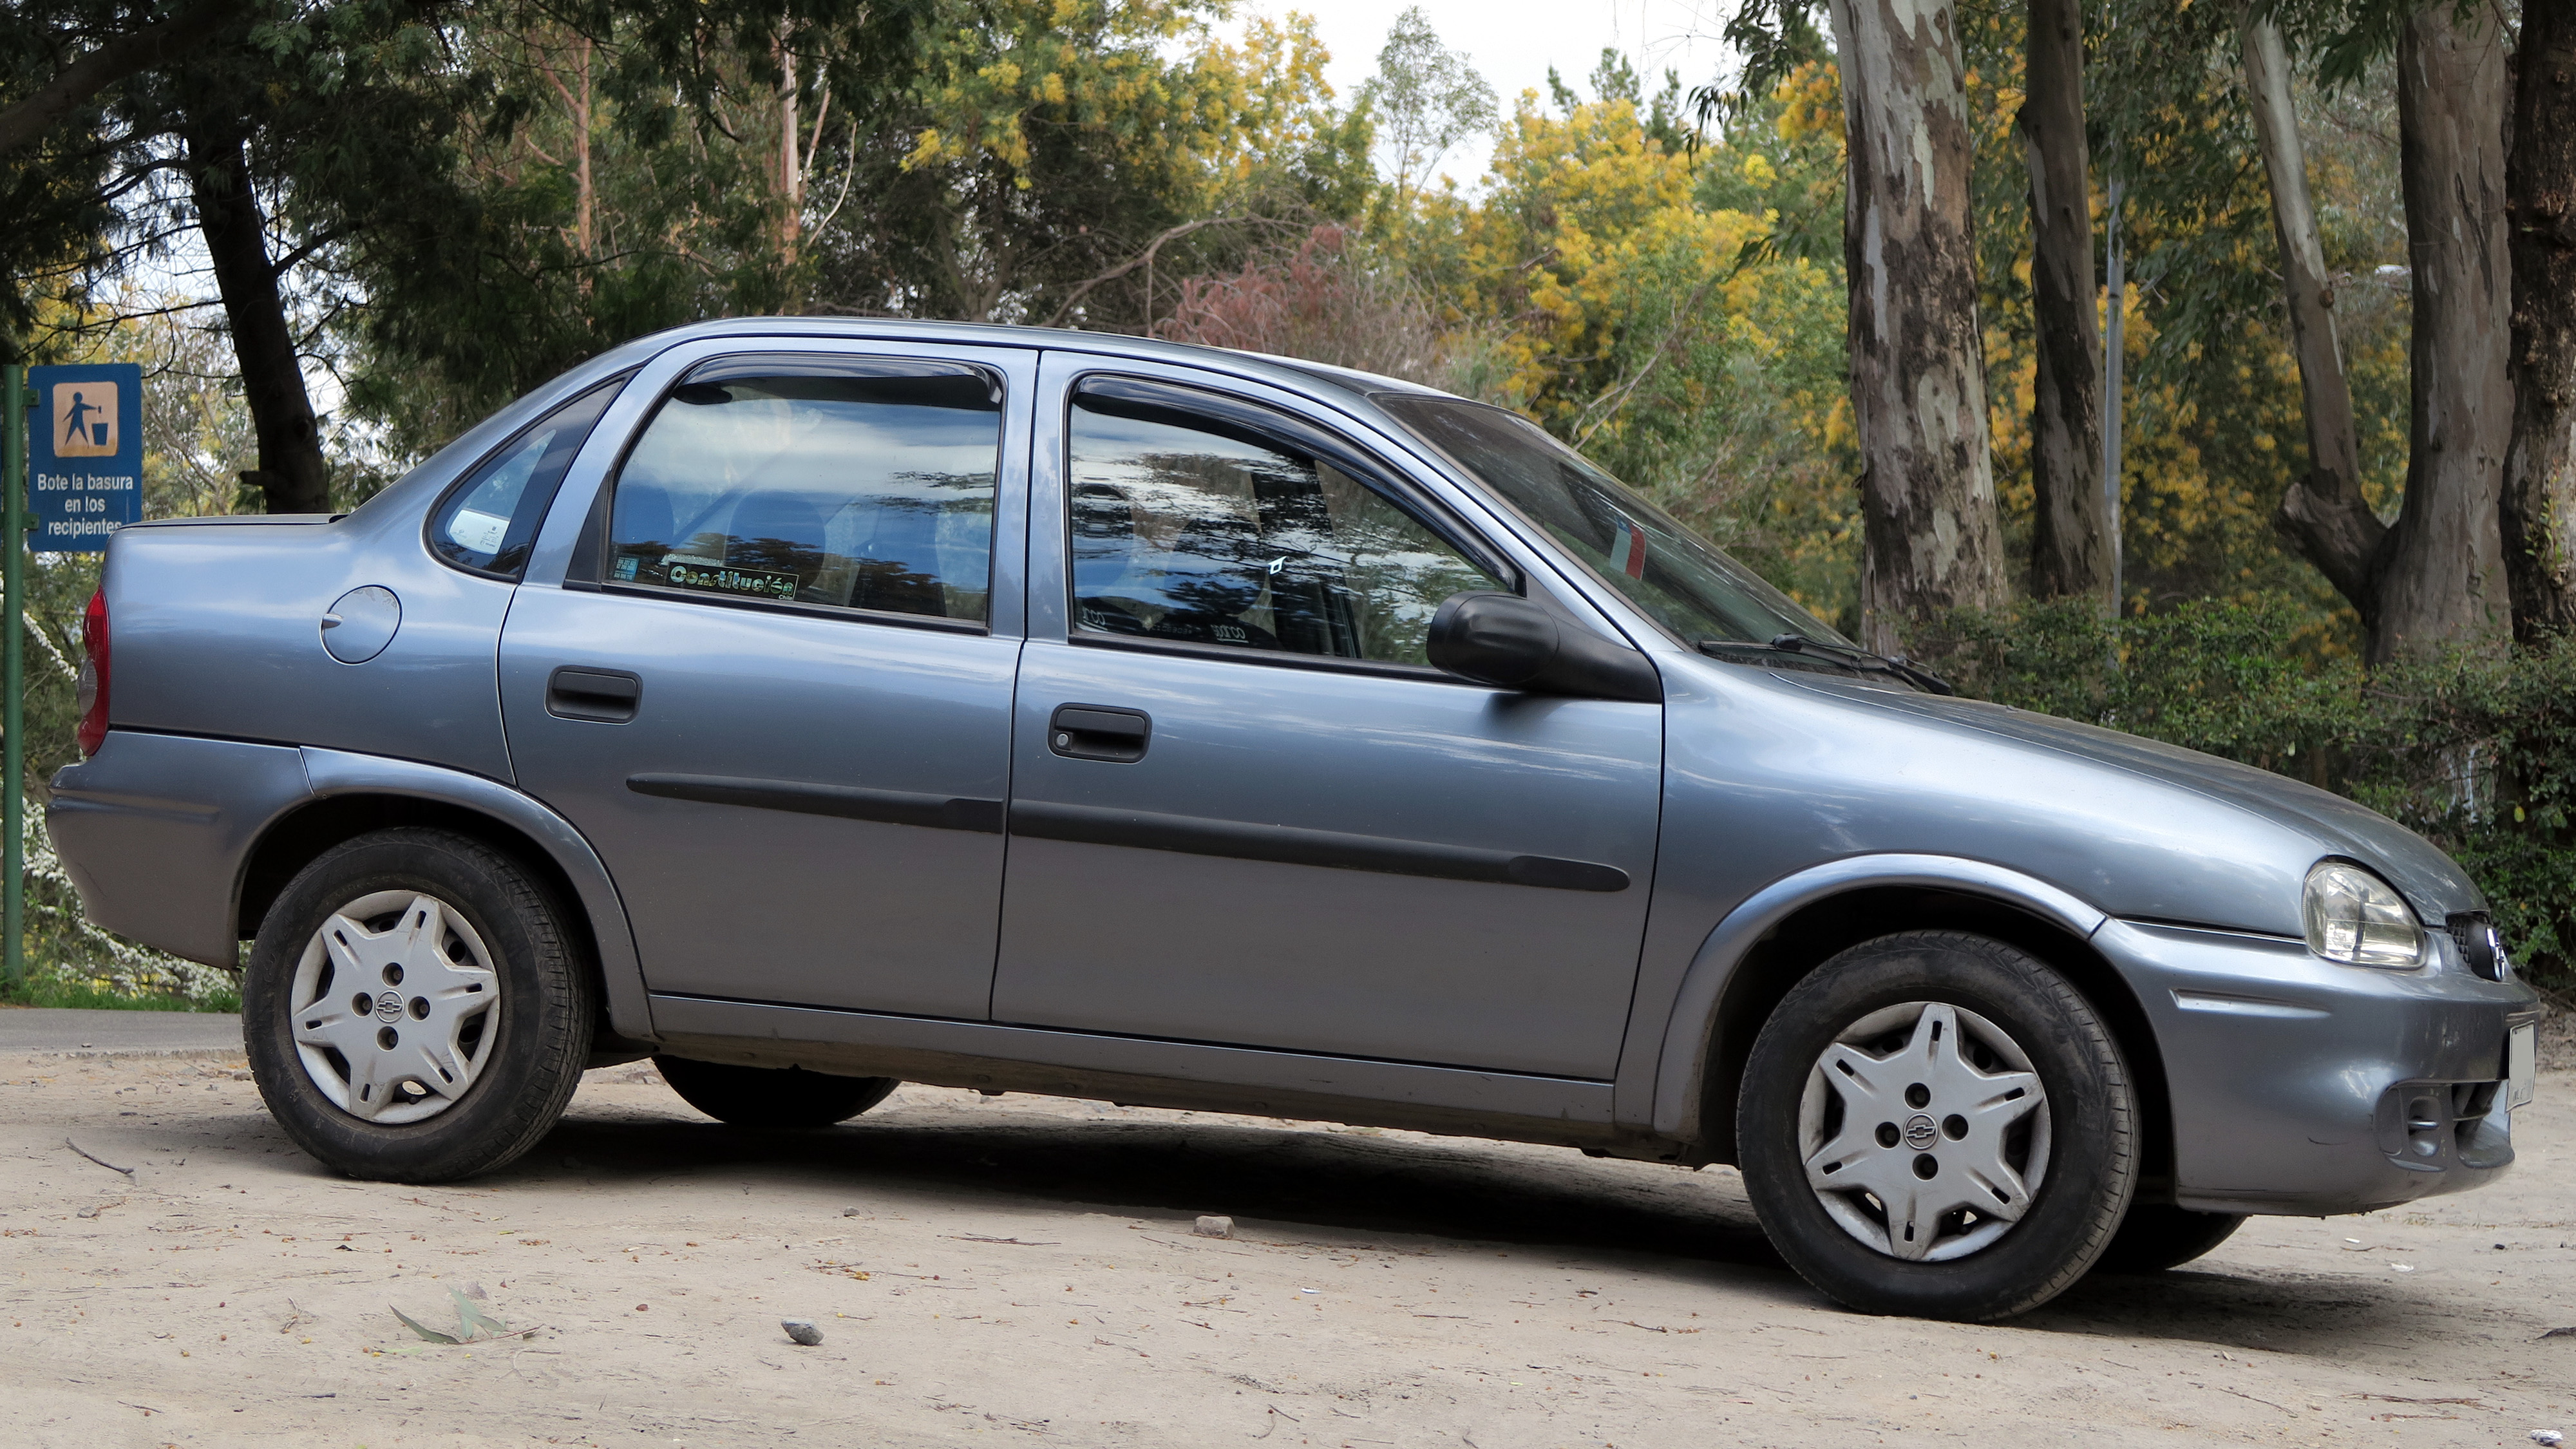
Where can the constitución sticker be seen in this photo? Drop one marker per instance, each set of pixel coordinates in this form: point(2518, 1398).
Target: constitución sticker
point(726, 579)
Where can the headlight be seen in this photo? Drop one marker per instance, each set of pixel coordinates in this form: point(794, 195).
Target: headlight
point(2352, 916)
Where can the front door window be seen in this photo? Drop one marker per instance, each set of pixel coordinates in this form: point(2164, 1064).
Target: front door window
point(1198, 529)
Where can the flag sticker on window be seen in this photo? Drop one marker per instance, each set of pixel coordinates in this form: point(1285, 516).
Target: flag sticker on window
point(1627, 547)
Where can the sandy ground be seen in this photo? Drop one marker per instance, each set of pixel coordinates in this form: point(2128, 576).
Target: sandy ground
point(1021, 1270)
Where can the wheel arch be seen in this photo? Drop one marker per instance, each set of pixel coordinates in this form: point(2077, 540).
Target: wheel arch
point(354, 794)
point(1770, 942)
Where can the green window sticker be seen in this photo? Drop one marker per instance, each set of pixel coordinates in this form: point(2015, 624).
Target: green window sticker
point(727, 579)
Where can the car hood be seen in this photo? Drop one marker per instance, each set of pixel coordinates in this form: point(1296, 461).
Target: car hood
point(2429, 880)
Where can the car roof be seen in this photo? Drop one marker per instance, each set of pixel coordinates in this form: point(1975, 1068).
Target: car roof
point(991, 334)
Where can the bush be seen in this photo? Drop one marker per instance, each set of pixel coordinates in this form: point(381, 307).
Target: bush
point(2474, 751)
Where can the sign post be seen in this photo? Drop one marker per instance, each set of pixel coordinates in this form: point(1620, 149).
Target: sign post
point(13, 712)
point(81, 478)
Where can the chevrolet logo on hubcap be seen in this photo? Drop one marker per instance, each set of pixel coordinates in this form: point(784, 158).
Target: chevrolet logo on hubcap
point(1921, 1131)
point(389, 1008)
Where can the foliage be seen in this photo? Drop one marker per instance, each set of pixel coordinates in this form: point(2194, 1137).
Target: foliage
point(1613, 302)
point(2476, 752)
point(1332, 300)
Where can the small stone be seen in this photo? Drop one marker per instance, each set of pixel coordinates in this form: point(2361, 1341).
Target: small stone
point(802, 1330)
point(849, 1212)
point(241, 1076)
point(2547, 1438)
point(1213, 1227)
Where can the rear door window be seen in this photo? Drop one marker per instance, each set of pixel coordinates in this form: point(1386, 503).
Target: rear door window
point(857, 484)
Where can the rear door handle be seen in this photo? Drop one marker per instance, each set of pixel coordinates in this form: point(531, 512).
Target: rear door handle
point(1099, 732)
point(601, 696)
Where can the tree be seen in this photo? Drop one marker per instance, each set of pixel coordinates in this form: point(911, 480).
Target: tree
point(2323, 513)
point(2442, 580)
point(1424, 100)
point(2539, 516)
point(2073, 553)
point(1930, 536)
point(112, 54)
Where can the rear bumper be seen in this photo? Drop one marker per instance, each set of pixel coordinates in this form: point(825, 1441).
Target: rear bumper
point(2300, 1086)
point(154, 830)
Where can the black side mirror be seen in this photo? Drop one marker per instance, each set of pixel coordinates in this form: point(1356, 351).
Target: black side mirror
point(1513, 643)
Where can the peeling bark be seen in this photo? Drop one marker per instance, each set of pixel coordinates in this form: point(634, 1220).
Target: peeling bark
point(2442, 580)
point(292, 476)
point(2072, 552)
point(1930, 539)
point(2539, 514)
point(2323, 515)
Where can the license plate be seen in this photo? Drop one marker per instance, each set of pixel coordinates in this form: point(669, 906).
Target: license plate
point(2521, 1063)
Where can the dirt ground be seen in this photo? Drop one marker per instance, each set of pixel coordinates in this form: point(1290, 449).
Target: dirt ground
point(1021, 1270)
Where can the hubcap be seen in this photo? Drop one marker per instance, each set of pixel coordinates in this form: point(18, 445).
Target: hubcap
point(1924, 1131)
point(397, 1005)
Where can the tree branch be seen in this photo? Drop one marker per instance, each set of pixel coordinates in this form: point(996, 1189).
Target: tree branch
point(104, 66)
point(1145, 258)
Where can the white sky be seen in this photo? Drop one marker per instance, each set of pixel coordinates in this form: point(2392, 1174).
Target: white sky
point(1513, 42)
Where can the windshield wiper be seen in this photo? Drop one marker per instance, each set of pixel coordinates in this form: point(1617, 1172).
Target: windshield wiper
point(1858, 660)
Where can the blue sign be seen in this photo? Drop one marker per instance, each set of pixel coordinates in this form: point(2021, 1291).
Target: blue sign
point(84, 455)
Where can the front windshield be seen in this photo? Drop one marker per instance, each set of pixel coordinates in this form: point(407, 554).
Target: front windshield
point(1674, 576)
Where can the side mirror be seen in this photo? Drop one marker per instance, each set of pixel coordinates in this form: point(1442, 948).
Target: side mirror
point(1513, 643)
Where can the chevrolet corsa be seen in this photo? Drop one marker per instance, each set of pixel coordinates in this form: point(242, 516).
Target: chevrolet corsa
point(818, 705)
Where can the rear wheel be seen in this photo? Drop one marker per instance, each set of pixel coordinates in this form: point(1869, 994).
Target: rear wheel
point(1937, 1124)
point(772, 1096)
point(2157, 1236)
point(415, 1009)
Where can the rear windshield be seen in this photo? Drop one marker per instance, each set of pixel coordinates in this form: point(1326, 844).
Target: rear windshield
point(1674, 576)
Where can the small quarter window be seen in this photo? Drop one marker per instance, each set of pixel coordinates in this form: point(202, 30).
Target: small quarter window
point(489, 520)
point(1199, 529)
point(862, 486)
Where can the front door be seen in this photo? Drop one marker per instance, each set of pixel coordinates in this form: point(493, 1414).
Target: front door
point(772, 690)
point(1245, 809)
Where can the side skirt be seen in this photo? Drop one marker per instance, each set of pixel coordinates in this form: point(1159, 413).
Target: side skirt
point(1142, 1072)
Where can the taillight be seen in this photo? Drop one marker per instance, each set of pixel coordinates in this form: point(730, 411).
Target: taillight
point(92, 731)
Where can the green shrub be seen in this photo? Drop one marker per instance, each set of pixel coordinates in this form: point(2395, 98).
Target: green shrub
point(2476, 752)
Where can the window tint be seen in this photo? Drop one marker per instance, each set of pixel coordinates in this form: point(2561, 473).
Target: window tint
point(489, 520)
point(865, 492)
point(1197, 529)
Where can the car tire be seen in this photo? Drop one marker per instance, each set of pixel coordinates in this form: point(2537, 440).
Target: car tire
point(772, 1097)
point(470, 972)
point(2034, 1189)
point(2158, 1236)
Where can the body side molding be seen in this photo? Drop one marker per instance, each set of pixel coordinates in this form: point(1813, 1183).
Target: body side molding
point(1682, 1062)
point(621, 970)
point(846, 802)
point(1289, 845)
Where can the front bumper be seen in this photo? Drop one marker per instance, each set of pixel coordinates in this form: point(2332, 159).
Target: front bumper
point(2302, 1086)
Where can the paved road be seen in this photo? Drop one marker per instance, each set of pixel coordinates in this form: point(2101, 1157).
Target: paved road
point(49, 1029)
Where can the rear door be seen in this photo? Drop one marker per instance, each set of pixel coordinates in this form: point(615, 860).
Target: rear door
point(774, 687)
point(1245, 810)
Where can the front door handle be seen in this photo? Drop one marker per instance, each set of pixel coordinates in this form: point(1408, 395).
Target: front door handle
point(601, 696)
point(1098, 732)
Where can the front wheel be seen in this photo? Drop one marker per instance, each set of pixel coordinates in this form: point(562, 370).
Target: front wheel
point(1937, 1124)
point(743, 1096)
point(415, 1009)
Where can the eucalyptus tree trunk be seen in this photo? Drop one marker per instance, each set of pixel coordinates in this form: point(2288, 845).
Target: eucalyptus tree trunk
point(2323, 514)
point(292, 476)
point(2539, 515)
point(2072, 552)
point(1929, 536)
point(2443, 578)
